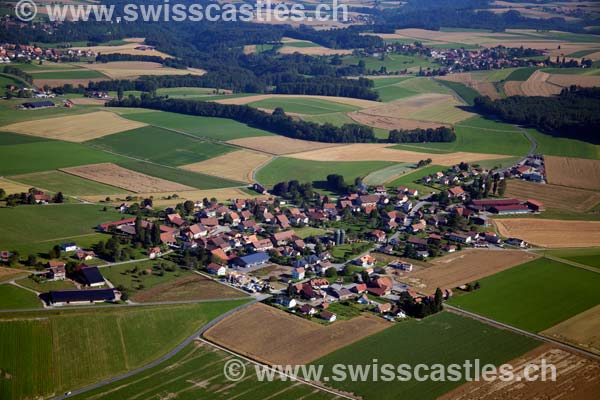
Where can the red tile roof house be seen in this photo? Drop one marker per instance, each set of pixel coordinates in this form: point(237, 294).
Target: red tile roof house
point(383, 308)
point(216, 269)
point(176, 219)
point(56, 273)
point(154, 252)
point(378, 235)
point(328, 316)
point(308, 310)
point(283, 221)
point(283, 238)
point(84, 255)
point(456, 193)
point(359, 288)
point(380, 286)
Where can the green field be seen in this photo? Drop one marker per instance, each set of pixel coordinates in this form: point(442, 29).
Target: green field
point(160, 146)
point(213, 128)
point(590, 256)
point(390, 89)
point(57, 181)
point(301, 105)
point(13, 297)
point(197, 373)
point(132, 275)
point(465, 92)
point(336, 119)
point(50, 353)
point(7, 138)
point(47, 286)
point(564, 147)
point(307, 231)
point(41, 156)
point(535, 295)
point(189, 178)
point(51, 224)
point(444, 338)
point(285, 169)
point(388, 174)
point(409, 180)
point(479, 135)
point(301, 44)
point(521, 74)
point(392, 62)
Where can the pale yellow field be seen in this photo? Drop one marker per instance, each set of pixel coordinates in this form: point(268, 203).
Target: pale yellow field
point(128, 48)
point(390, 123)
point(278, 145)
point(551, 233)
point(381, 152)
point(236, 165)
point(573, 172)
point(344, 100)
point(431, 107)
point(75, 128)
point(134, 69)
point(162, 198)
point(11, 187)
point(580, 330)
point(579, 80)
point(313, 51)
point(112, 174)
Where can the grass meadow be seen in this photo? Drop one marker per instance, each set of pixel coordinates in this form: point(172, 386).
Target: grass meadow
point(444, 338)
point(39, 353)
point(302, 105)
point(285, 169)
point(57, 181)
point(13, 297)
point(535, 295)
point(213, 128)
point(589, 256)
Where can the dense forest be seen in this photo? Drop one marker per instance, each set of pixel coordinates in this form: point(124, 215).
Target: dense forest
point(441, 134)
point(574, 113)
point(277, 122)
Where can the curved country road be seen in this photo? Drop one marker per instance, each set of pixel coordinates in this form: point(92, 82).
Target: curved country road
point(162, 359)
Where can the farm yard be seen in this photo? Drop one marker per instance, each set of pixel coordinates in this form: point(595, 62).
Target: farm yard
point(237, 165)
point(551, 233)
point(464, 267)
point(581, 383)
point(573, 172)
point(76, 128)
point(132, 181)
point(553, 196)
point(580, 330)
point(272, 336)
point(420, 342)
point(521, 296)
point(197, 373)
point(39, 349)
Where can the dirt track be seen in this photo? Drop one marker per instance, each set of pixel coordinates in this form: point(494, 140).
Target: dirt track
point(272, 336)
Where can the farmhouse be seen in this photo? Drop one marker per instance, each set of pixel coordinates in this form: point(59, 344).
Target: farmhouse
point(57, 273)
point(216, 269)
point(328, 316)
point(91, 276)
point(62, 297)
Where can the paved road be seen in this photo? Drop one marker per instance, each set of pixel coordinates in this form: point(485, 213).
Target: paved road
point(162, 359)
point(519, 331)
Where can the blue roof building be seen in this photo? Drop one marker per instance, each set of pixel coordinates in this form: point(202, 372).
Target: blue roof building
point(252, 260)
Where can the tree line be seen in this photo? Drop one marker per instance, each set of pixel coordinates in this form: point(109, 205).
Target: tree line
point(440, 134)
point(573, 113)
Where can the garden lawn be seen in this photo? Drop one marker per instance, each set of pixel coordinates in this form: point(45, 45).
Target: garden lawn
point(444, 338)
point(213, 128)
point(535, 295)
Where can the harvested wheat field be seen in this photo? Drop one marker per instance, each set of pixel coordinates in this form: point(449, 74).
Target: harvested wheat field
point(433, 107)
point(11, 187)
point(87, 101)
point(10, 273)
point(272, 336)
point(573, 172)
point(61, 82)
point(382, 152)
point(191, 287)
point(236, 165)
point(135, 69)
point(279, 145)
point(483, 87)
point(390, 123)
point(513, 88)
point(463, 267)
point(164, 199)
point(128, 48)
point(554, 197)
point(577, 378)
point(344, 100)
point(564, 80)
point(111, 174)
point(550, 232)
point(580, 330)
point(538, 84)
point(75, 128)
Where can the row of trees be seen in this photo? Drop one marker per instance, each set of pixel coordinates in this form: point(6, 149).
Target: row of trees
point(573, 113)
point(277, 122)
point(440, 134)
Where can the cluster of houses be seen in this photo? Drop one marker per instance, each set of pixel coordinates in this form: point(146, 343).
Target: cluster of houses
point(11, 52)
point(531, 169)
